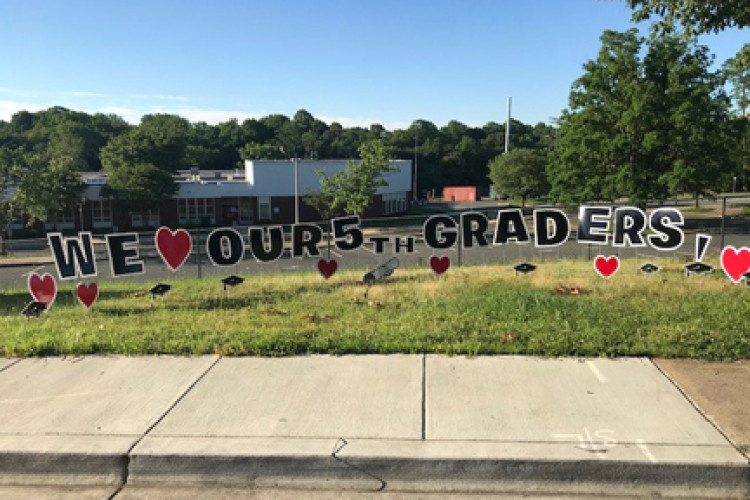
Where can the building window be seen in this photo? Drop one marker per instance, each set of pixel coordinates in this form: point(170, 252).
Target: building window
point(101, 213)
point(247, 211)
point(394, 203)
point(264, 208)
point(146, 218)
point(66, 217)
point(196, 210)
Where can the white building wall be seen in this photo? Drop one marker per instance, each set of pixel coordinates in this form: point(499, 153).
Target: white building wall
point(265, 178)
point(276, 177)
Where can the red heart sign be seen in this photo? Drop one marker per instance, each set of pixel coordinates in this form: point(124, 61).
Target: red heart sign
point(327, 267)
point(173, 246)
point(606, 266)
point(735, 262)
point(87, 294)
point(440, 264)
point(43, 288)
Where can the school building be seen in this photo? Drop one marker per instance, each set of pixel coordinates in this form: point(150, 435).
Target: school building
point(261, 194)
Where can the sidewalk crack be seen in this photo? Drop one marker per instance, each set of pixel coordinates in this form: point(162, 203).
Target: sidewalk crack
point(338, 446)
point(14, 363)
point(424, 396)
point(177, 401)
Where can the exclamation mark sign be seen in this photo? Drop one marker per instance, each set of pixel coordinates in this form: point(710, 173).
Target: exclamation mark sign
point(701, 246)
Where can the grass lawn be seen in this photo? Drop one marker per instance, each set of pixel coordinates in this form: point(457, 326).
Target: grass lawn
point(561, 309)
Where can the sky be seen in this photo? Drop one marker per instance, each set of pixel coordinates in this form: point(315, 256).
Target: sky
point(353, 61)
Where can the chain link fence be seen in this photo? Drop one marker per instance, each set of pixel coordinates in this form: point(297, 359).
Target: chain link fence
point(726, 219)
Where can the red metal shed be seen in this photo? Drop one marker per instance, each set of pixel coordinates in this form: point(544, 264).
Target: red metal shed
point(460, 194)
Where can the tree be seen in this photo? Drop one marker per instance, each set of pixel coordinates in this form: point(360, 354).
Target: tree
point(141, 162)
point(643, 127)
point(47, 188)
point(140, 186)
point(352, 189)
point(696, 16)
point(692, 121)
point(737, 71)
point(520, 172)
point(9, 174)
point(604, 148)
point(322, 201)
point(160, 140)
point(255, 151)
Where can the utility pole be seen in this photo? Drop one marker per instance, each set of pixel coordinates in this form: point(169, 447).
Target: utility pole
point(296, 190)
point(507, 129)
point(417, 126)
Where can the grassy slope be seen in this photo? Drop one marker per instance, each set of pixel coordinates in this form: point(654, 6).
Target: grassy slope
point(470, 310)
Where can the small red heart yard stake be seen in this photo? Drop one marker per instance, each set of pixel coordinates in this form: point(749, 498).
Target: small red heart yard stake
point(440, 264)
point(327, 267)
point(87, 294)
point(606, 267)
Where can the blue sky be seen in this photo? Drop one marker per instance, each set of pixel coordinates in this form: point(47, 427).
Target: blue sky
point(356, 62)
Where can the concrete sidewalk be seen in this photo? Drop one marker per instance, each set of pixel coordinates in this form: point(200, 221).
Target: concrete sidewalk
point(129, 427)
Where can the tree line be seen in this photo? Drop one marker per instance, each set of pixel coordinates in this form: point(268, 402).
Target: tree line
point(140, 159)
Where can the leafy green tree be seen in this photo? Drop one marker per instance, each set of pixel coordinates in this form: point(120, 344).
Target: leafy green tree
point(10, 169)
point(256, 131)
point(643, 127)
point(47, 188)
point(737, 71)
point(157, 141)
point(520, 172)
point(604, 144)
point(692, 123)
point(139, 186)
point(141, 162)
point(696, 16)
point(255, 151)
point(323, 203)
point(352, 189)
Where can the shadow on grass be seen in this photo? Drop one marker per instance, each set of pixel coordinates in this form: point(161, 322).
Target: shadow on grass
point(13, 302)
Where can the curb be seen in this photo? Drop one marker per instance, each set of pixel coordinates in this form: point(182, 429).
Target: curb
point(375, 473)
point(58, 469)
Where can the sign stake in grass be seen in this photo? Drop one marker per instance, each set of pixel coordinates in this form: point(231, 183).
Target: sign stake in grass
point(230, 282)
point(649, 269)
point(34, 309)
point(698, 268)
point(524, 268)
point(159, 289)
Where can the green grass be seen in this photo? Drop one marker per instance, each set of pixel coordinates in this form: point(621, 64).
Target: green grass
point(469, 310)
